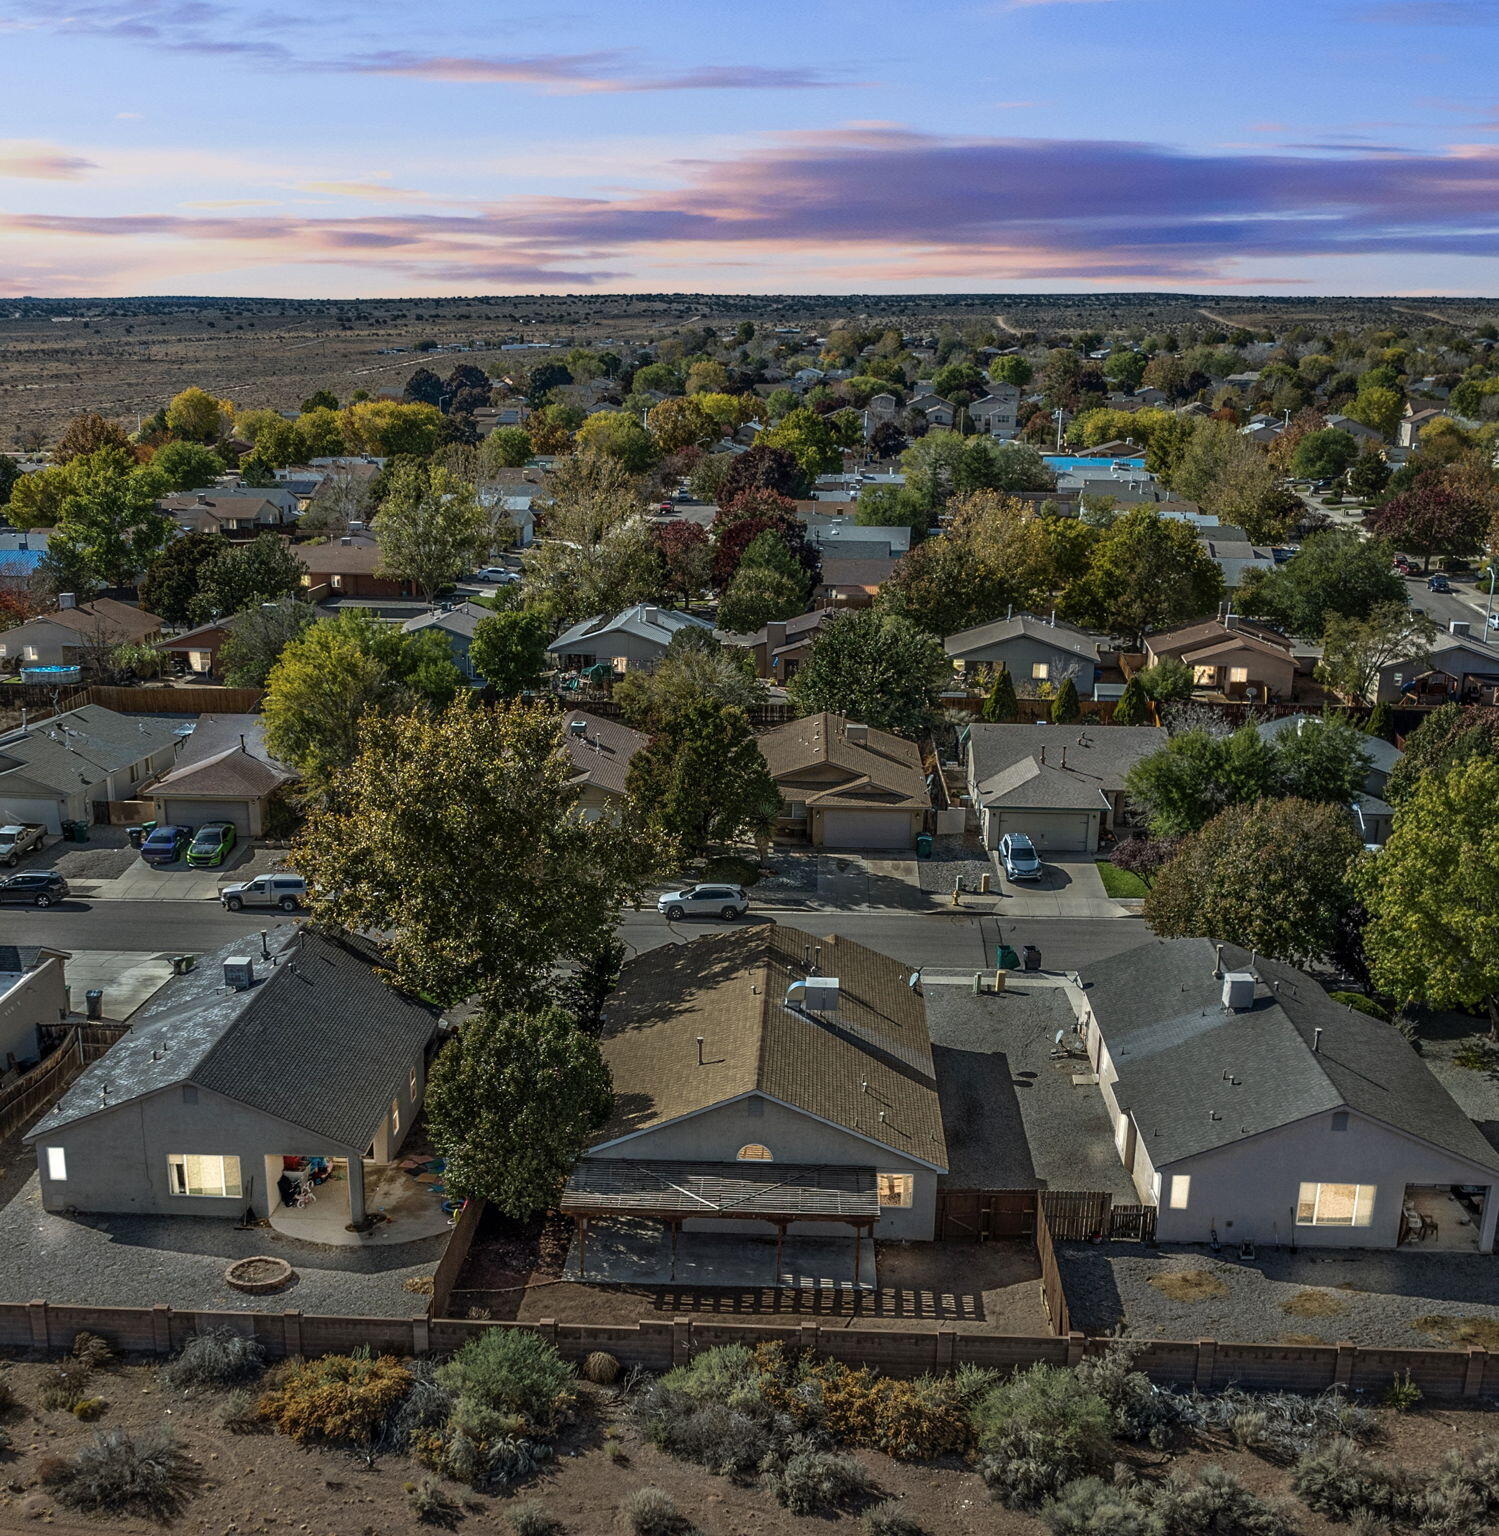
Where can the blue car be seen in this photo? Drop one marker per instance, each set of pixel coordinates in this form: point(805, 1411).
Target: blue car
point(164, 845)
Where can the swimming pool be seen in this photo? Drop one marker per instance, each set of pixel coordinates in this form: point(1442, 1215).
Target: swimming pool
point(1062, 463)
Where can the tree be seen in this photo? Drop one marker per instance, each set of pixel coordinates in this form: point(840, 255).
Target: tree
point(1356, 651)
point(174, 578)
point(887, 441)
point(1000, 706)
point(1133, 706)
point(748, 518)
point(989, 465)
point(759, 595)
point(809, 440)
point(1324, 454)
point(36, 499)
point(1272, 877)
point(1369, 476)
point(1011, 370)
point(1166, 681)
point(1377, 407)
point(87, 434)
point(695, 668)
point(1450, 735)
point(763, 467)
point(10, 472)
point(1432, 893)
point(680, 422)
point(702, 781)
point(108, 522)
point(512, 1103)
point(509, 651)
point(430, 527)
point(1148, 572)
point(1431, 518)
point(621, 436)
point(687, 557)
point(423, 388)
point(1335, 574)
point(891, 506)
point(874, 667)
point(1326, 760)
point(1065, 708)
point(318, 434)
point(1381, 723)
point(186, 466)
point(456, 833)
point(255, 639)
point(319, 400)
point(1144, 856)
point(505, 448)
point(198, 416)
point(386, 428)
point(243, 576)
point(707, 476)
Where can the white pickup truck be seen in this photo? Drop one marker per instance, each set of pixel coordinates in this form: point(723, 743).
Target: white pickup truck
point(19, 839)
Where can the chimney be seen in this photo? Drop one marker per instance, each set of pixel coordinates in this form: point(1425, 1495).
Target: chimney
point(1217, 962)
point(1460, 627)
point(1230, 620)
point(67, 599)
point(856, 733)
point(775, 637)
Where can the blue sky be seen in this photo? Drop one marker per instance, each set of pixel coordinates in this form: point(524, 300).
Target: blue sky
point(170, 146)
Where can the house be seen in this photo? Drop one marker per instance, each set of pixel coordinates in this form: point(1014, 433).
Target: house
point(66, 636)
point(196, 650)
point(223, 772)
point(635, 637)
point(68, 767)
point(934, 410)
point(1459, 669)
point(349, 566)
point(457, 626)
point(1063, 786)
point(33, 996)
point(1229, 656)
point(601, 752)
point(1371, 811)
point(762, 1076)
point(1248, 1106)
point(1357, 430)
point(996, 412)
point(849, 540)
point(1262, 430)
point(237, 514)
point(1411, 425)
point(852, 582)
point(844, 785)
point(287, 1046)
point(1033, 651)
point(780, 648)
point(1243, 383)
point(1234, 557)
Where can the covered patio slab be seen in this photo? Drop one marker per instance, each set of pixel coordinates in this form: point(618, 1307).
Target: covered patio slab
point(409, 1211)
point(626, 1251)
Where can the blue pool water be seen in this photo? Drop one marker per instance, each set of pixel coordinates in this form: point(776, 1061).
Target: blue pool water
point(1063, 462)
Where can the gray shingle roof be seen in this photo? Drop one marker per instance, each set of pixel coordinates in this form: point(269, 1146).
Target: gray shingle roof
point(319, 1041)
point(1196, 1076)
point(1083, 763)
point(643, 620)
point(81, 747)
point(1063, 636)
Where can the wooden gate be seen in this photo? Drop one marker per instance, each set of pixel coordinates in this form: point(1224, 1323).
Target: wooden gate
point(1136, 1222)
point(1076, 1215)
point(975, 1215)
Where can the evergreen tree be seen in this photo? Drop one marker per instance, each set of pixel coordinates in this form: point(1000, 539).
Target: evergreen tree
point(1065, 708)
point(1133, 707)
point(1001, 707)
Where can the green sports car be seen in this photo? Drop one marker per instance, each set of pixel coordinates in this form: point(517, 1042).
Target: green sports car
point(211, 844)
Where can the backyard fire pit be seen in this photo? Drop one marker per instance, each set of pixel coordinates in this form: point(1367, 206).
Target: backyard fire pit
point(259, 1275)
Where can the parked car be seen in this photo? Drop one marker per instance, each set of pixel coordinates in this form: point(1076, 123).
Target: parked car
point(211, 844)
point(724, 901)
point(165, 845)
point(502, 575)
point(285, 891)
point(1018, 855)
point(38, 889)
point(19, 839)
point(1406, 566)
point(1493, 621)
point(1438, 583)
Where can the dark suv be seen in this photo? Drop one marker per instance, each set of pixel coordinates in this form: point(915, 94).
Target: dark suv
point(40, 889)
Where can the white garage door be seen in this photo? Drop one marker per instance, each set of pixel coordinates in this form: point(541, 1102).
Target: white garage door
point(865, 829)
point(1059, 831)
point(20, 808)
point(194, 813)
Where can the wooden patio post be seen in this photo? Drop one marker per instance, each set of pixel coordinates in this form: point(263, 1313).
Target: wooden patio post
point(676, 1227)
point(858, 1255)
point(780, 1235)
point(581, 1222)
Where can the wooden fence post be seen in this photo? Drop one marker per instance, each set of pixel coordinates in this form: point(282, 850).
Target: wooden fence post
point(36, 1315)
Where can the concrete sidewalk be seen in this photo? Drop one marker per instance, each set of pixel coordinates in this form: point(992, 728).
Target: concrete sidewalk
point(126, 977)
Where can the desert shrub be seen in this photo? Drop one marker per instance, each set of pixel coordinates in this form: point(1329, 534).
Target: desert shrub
point(600, 1368)
point(120, 1474)
point(716, 1372)
point(94, 1352)
point(239, 1413)
point(531, 1519)
point(425, 1407)
point(89, 1408)
point(1212, 1503)
point(1091, 1507)
point(430, 1503)
point(64, 1384)
point(729, 1441)
point(1445, 1509)
point(7, 1396)
point(214, 1361)
point(336, 1398)
point(1280, 1425)
point(513, 1371)
point(1402, 1394)
point(1039, 1430)
point(812, 1481)
point(653, 1512)
point(889, 1519)
point(1141, 1410)
point(7, 1442)
point(969, 1383)
point(1338, 1480)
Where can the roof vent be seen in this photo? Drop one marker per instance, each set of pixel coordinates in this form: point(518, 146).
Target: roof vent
point(239, 973)
point(1460, 627)
point(817, 994)
point(67, 600)
point(1238, 990)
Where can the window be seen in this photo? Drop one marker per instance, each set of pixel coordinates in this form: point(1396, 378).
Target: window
point(755, 1153)
point(895, 1188)
point(1204, 677)
point(57, 1163)
point(1181, 1188)
point(1335, 1205)
point(796, 810)
point(395, 1116)
point(1238, 674)
point(1040, 671)
point(411, 1086)
point(190, 1173)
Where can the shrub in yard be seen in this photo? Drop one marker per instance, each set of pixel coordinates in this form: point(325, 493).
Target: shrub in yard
point(1212, 1501)
point(889, 1519)
point(729, 1441)
point(1141, 1410)
point(1091, 1507)
point(7, 1395)
point(64, 1384)
point(513, 1371)
point(1039, 1430)
point(718, 1373)
point(429, 1503)
point(425, 1407)
point(51, 1470)
point(1338, 1480)
point(653, 1512)
point(239, 1413)
point(338, 1398)
point(93, 1351)
point(601, 1369)
point(120, 1474)
point(1402, 1394)
point(810, 1481)
point(214, 1361)
point(531, 1519)
point(1281, 1425)
point(89, 1408)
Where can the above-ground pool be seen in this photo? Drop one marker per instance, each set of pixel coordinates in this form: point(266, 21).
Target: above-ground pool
point(1061, 463)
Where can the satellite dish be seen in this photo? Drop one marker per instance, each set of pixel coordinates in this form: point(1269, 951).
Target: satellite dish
point(1060, 1034)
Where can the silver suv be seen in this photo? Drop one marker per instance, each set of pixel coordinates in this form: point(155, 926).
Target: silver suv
point(285, 891)
point(725, 901)
point(1018, 855)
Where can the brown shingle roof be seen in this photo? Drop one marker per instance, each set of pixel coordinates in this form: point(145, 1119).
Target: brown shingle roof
point(867, 1069)
point(813, 760)
point(106, 617)
point(340, 559)
point(603, 754)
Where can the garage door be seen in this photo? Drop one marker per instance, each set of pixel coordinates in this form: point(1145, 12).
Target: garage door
point(1059, 831)
point(20, 808)
point(193, 813)
point(865, 829)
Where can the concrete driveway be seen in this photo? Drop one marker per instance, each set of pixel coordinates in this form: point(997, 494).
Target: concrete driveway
point(1070, 886)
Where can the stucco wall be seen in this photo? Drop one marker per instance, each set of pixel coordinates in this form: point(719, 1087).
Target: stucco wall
point(38, 996)
point(1023, 651)
point(716, 1135)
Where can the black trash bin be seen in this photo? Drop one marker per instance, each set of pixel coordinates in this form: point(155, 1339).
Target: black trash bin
point(93, 1001)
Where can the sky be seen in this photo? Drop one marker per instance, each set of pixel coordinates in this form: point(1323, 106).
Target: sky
point(312, 148)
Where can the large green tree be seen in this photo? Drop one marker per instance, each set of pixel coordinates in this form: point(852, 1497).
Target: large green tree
point(174, 578)
point(509, 650)
point(242, 575)
point(430, 526)
point(457, 834)
point(186, 466)
point(1356, 650)
point(1432, 893)
point(1335, 573)
point(1449, 735)
point(695, 669)
point(255, 639)
point(1272, 876)
point(877, 668)
point(108, 522)
point(512, 1103)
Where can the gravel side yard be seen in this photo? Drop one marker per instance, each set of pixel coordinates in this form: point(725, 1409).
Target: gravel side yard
point(954, 858)
point(1368, 1296)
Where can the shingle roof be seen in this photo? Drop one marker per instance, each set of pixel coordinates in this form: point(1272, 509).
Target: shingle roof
point(463, 619)
point(1063, 636)
point(867, 1069)
point(224, 757)
point(813, 759)
point(603, 753)
point(866, 572)
point(1193, 638)
point(318, 1041)
point(642, 620)
point(1196, 1076)
point(80, 748)
point(1083, 763)
point(103, 617)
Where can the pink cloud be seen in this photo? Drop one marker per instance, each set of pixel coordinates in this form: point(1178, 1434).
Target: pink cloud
point(603, 71)
point(41, 162)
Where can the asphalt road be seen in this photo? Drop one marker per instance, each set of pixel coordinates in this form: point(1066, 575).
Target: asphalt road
point(938, 940)
point(1466, 601)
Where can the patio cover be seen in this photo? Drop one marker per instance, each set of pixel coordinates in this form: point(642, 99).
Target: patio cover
point(777, 1192)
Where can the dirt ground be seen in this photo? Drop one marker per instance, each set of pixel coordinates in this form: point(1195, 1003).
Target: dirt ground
point(262, 1484)
point(512, 1275)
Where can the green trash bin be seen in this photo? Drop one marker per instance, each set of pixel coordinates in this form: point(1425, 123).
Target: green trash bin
point(1005, 958)
point(923, 845)
point(80, 831)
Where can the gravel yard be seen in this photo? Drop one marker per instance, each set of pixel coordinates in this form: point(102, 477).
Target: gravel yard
point(1368, 1296)
point(954, 858)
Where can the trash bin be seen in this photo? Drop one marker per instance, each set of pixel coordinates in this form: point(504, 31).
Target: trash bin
point(137, 836)
point(1005, 958)
point(79, 831)
point(94, 1003)
point(923, 845)
point(1031, 958)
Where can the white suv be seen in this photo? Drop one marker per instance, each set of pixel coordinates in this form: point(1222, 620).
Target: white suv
point(725, 901)
point(1019, 857)
point(285, 891)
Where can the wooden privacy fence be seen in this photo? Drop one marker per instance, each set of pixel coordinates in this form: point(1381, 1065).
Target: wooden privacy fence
point(454, 1257)
point(1053, 1292)
point(975, 1215)
point(196, 699)
point(657, 1345)
point(25, 1099)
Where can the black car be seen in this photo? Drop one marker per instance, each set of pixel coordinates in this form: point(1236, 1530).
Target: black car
point(40, 889)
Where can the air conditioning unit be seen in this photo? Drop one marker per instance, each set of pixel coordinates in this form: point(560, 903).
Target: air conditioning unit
point(1238, 990)
point(821, 995)
point(239, 973)
point(577, 728)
